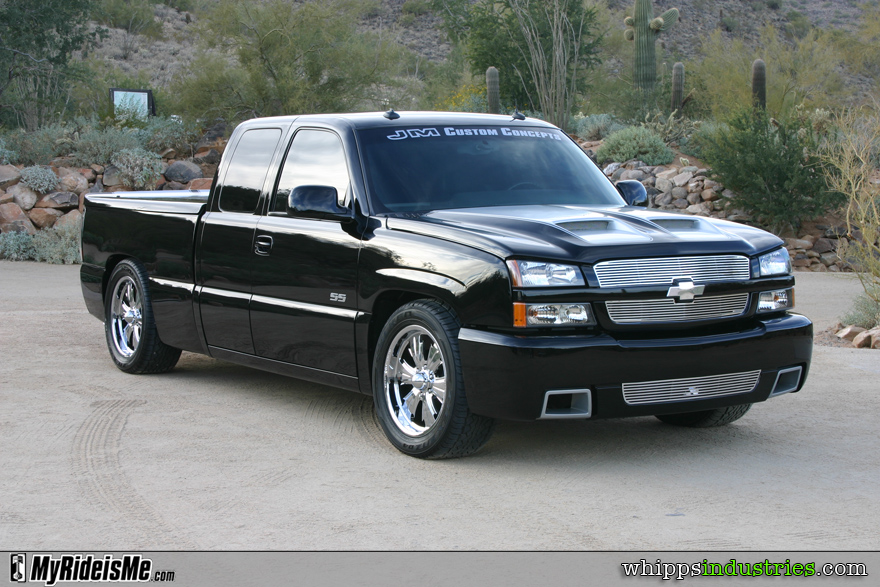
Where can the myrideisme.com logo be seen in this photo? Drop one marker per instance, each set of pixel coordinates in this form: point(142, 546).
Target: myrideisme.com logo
point(79, 568)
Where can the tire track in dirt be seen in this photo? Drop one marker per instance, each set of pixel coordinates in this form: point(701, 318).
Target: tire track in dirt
point(96, 465)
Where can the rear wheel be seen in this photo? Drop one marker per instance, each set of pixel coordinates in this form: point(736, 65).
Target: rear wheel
point(708, 418)
point(418, 387)
point(129, 326)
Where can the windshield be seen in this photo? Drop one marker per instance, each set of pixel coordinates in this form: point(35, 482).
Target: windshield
point(437, 168)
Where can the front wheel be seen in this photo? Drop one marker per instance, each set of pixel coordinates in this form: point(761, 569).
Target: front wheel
point(418, 387)
point(707, 418)
point(129, 326)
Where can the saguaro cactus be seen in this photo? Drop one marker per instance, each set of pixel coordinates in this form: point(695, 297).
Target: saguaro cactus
point(492, 91)
point(677, 86)
point(759, 83)
point(644, 29)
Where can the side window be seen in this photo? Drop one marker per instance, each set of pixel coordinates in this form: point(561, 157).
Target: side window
point(316, 157)
point(247, 170)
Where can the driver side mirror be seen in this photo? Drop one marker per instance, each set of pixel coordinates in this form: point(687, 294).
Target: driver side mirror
point(316, 201)
point(633, 192)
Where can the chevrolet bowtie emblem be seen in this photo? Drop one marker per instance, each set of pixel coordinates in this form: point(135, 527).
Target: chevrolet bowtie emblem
point(685, 291)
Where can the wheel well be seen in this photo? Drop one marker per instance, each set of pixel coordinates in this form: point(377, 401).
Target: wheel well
point(112, 262)
point(386, 304)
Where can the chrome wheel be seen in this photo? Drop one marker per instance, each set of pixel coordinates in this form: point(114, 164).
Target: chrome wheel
point(414, 380)
point(126, 316)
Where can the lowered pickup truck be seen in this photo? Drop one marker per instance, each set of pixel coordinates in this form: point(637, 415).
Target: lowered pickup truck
point(458, 268)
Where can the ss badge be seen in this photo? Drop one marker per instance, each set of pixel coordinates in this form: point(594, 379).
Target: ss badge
point(337, 297)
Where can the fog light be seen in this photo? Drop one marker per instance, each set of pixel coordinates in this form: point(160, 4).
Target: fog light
point(552, 315)
point(773, 301)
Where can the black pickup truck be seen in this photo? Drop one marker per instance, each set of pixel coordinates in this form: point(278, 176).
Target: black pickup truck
point(458, 268)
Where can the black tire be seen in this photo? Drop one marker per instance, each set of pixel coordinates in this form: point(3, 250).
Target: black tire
point(708, 418)
point(416, 352)
point(129, 326)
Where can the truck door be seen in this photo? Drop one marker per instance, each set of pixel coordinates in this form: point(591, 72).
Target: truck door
point(227, 242)
point(304, 305)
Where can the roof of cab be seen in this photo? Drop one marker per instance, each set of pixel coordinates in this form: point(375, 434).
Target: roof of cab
point(360, 120)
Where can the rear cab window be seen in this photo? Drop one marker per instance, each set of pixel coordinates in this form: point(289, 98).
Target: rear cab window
point(247, 170)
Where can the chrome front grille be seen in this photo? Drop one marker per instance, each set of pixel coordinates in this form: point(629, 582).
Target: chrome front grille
point(666, 310)
point(692, 388)
point(663, 270)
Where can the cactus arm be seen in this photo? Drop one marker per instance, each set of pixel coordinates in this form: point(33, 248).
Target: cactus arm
point(670, 17)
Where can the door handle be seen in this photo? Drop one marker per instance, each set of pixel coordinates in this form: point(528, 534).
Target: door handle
point(263, 245)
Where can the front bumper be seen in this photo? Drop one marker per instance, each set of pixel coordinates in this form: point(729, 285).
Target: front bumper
point(508, 376)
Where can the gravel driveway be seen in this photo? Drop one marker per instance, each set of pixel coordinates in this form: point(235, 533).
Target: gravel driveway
point(217, 456)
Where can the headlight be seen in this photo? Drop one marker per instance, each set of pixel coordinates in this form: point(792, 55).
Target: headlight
point(774, 301)
point(538, 274)
point(552, 315)
point(776, 263)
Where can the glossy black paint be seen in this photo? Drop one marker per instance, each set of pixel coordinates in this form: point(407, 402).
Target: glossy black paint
point(307, 296)
point(506, 376)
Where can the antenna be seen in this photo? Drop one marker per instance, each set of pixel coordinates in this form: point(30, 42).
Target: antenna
point(391, 114)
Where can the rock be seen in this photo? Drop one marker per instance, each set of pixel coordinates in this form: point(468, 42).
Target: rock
point(9, 176)
point(636, 174)
point(174, 185)
point(202, 183)
point(862, 340)
point(214, 137)
point(812, 254)
point(824, 245)
point(875, 338)
point(663, 184)
point(88, 173)
point(849, 332)
point(728, 194)
point(44, 217)
point(689, 169)
point(679, 193)
point(97, 188)
point(13, 219)
point(59, 201)
point(182, 172)
point(711, 185)
point(694, 199)
point(212, 157)
point(797, 243)
point(668, 174)
point(682, 179)
point(617, 173)
point(718, 205)
point(695, 209)
point(111, 176)
point(24, 196)
point(168, 154)
point(829, 259)
point(800, 260)
point(709, 195)
point(98, 169)
point(611, 168)
point(818, 268)
point(5, 198)
point(648, 182)
point(834, 269)
point(809, 237)
point(680, 203)
point(831, 232)
point(695, 186)
point(72, 217)
point(663, 199)
point(702, 171)
point(73, 182)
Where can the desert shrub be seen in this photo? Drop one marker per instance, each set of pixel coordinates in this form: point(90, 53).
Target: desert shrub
point(693, 144)
point(16, 246)
point(798, 25)
point(39, 178)
point(7, 156)
point(772, 166)
point(160, 133)
point(852, 167)
point(41, 146)
point(596, 126)
point(468, 98)
point(774, 4)
point(635, 142)
point(134, 16)
point(59, 246)
point(672, 129)
point(416, 7)
point(100, 145)
point(138, 168)
point(865, 311)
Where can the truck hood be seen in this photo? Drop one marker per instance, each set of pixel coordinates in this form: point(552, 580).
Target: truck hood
point(586, 234)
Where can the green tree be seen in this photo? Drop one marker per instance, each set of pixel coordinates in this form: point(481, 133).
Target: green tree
point(39, 36)
point(280, 57)
point(542, 49)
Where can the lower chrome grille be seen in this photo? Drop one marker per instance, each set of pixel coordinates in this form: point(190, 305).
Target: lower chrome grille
point(667, 310)
point(692, 388)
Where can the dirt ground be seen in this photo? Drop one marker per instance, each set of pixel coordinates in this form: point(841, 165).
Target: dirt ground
point(217, 456)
